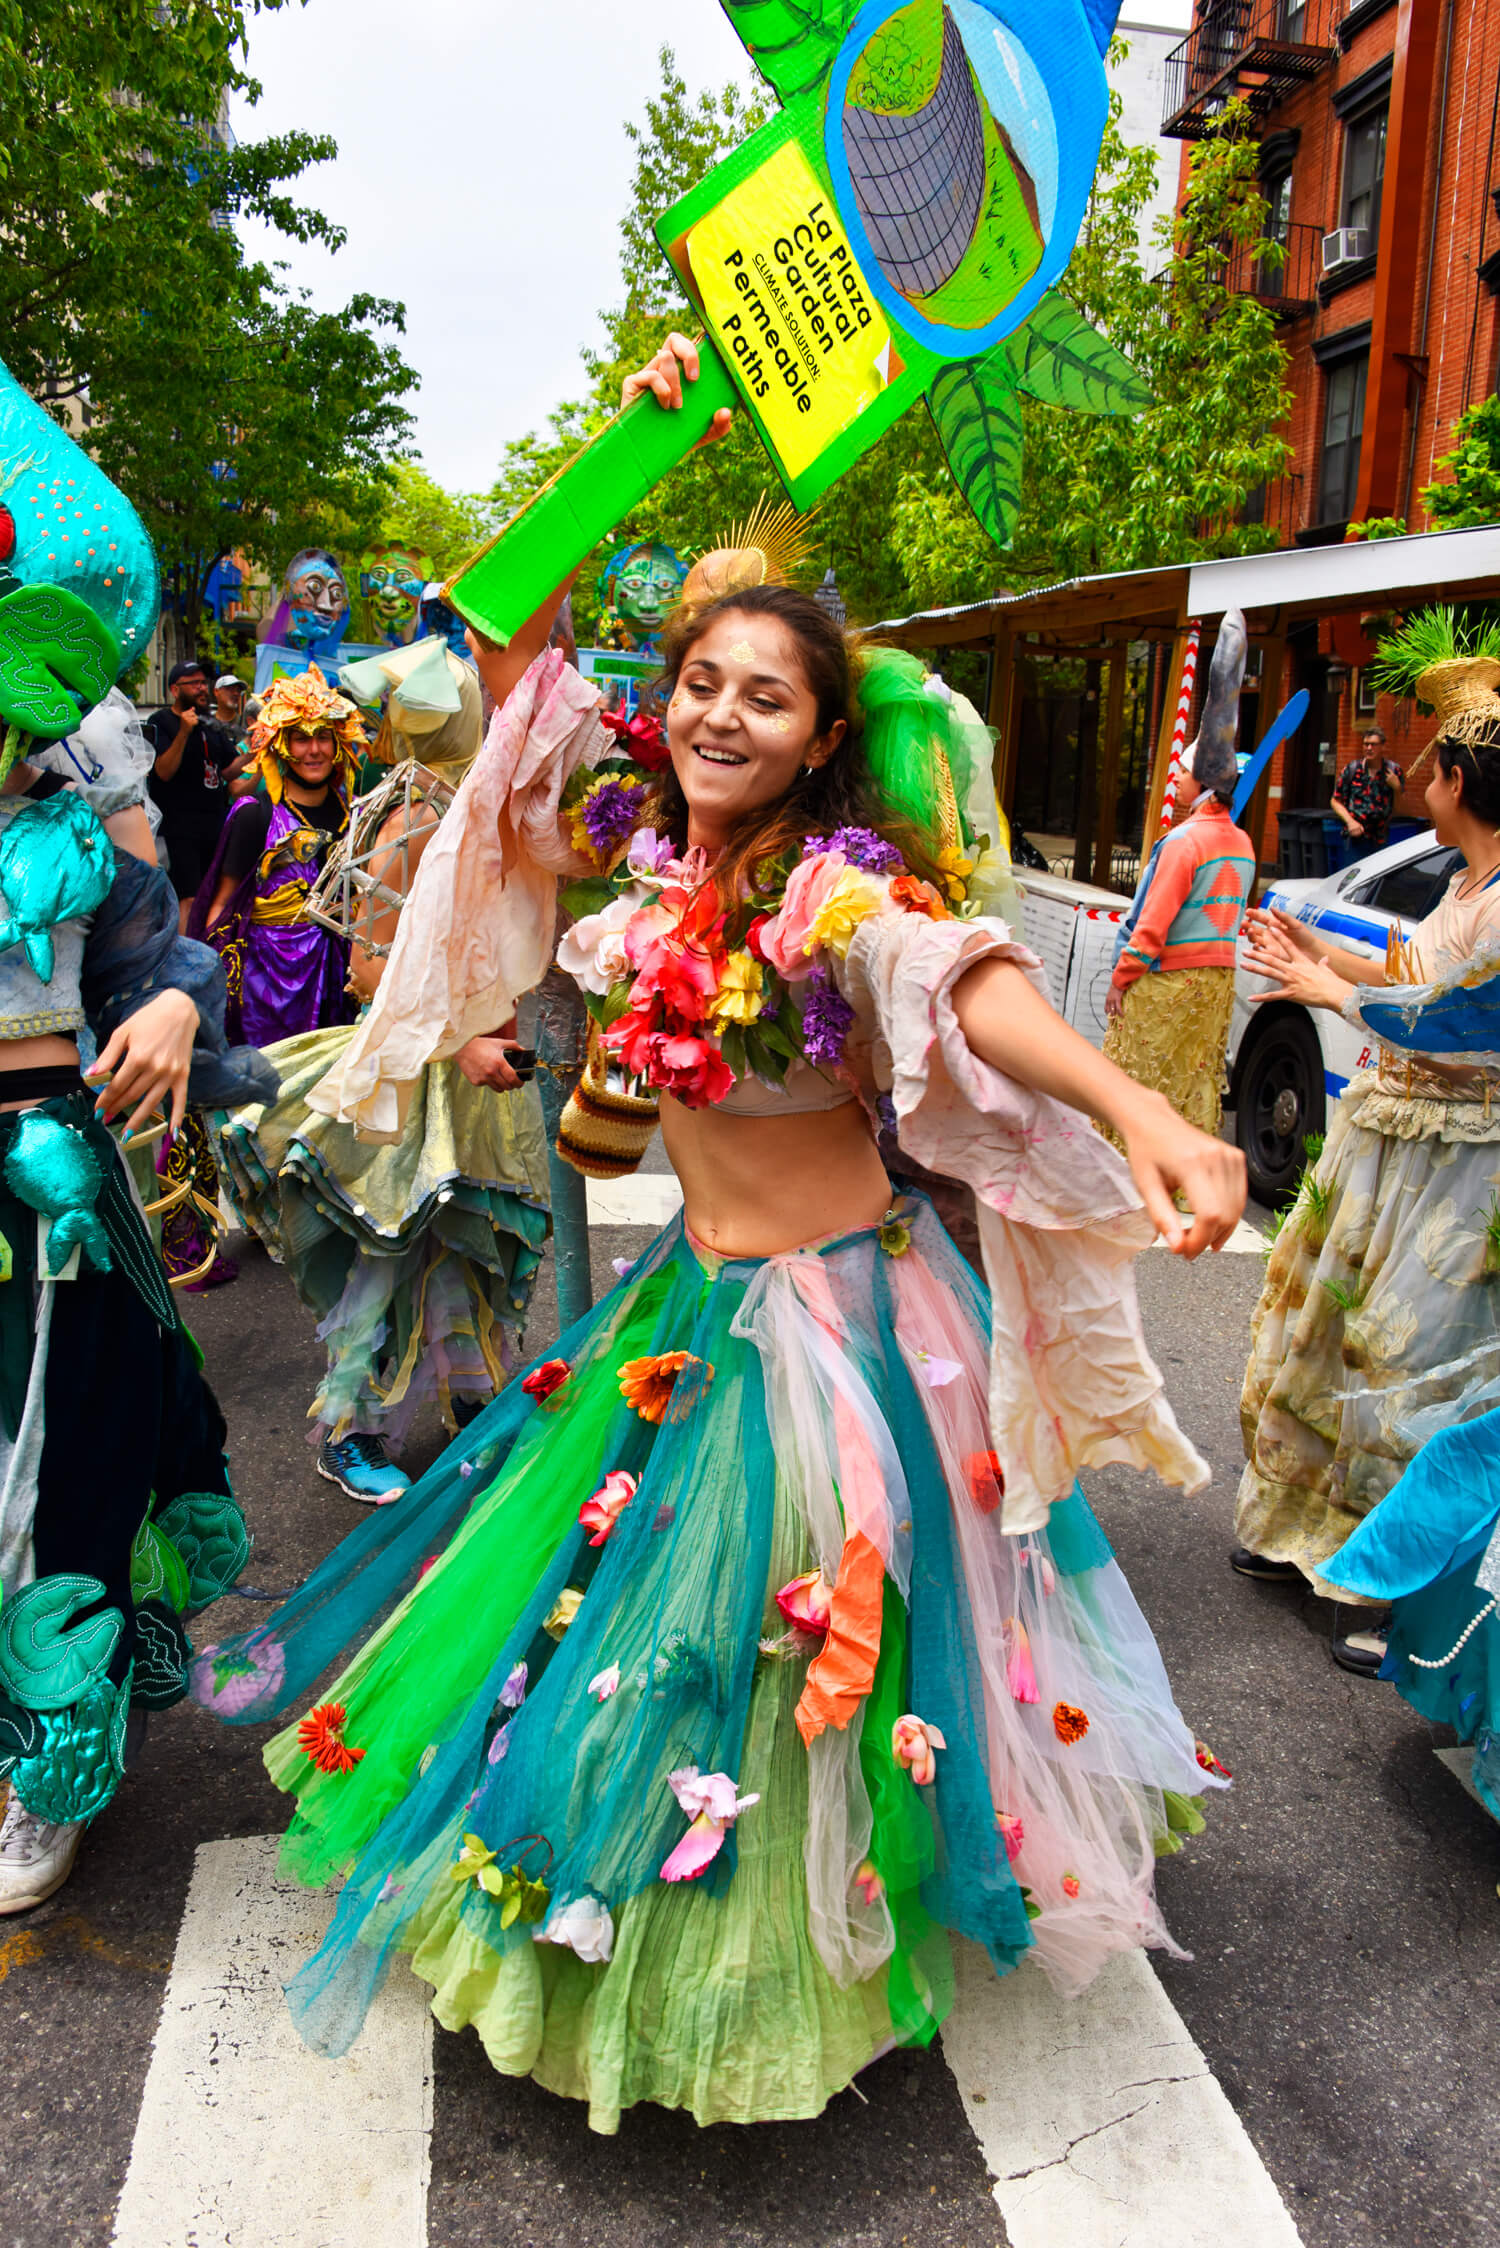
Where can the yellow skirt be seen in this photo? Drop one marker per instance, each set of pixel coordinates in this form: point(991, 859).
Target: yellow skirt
point(1172, 1037)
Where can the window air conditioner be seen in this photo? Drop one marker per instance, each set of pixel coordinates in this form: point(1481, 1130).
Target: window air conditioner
point(1346, 245)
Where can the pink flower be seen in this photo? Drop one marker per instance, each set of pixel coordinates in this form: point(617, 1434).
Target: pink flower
point(604, 1509)
point(1071, 1884)
point(1012, 1833)
point(713, 1803)
point(605, 1682)
point(868, 1882)
point(1020, 1671)
point(786, 941)
point(806, 1602)
point(912, 1744)
point(675, 945)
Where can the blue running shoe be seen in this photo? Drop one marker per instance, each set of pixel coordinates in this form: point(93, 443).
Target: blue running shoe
point(363, 1469)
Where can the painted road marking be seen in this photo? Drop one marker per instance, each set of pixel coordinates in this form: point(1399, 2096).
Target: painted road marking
point(245, 2139)
point(648, 1198)
point(1099, 2117)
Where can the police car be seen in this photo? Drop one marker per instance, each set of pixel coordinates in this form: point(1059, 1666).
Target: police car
point(1286, 1062)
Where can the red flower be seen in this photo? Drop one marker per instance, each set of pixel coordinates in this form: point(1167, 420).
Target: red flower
point(676, 947)
point(321, 1736)
point(752, 937)
point(640, 737)
point(986, 1482)
point(694, 1072)
point(544, 1379)
point(1209, 1762)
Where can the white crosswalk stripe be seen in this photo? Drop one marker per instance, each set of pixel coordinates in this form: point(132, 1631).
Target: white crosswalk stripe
point(246, 2139)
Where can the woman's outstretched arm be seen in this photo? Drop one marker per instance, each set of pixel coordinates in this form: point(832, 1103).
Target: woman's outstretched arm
point(1008, 1024)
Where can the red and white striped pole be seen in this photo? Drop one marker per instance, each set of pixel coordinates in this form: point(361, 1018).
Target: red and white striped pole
point(1179, 729)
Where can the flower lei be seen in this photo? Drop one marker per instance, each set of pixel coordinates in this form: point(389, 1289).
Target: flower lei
point(688, 997)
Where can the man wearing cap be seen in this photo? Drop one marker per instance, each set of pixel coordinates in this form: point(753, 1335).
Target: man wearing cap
point(196, 758)
point(229, 706)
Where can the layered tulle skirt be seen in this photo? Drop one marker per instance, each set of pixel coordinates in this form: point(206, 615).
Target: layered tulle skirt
point(703, 1697)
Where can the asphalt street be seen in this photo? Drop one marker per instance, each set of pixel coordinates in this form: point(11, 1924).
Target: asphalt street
point(1342, 1909)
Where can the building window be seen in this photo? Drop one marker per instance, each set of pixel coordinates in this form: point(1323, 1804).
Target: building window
point(1269, 271)
point(1343, 425)
point(1366, 693)
point(1364, 170)
point(1293, 15)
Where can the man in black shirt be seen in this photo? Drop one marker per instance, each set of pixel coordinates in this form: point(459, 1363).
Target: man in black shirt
point(196, 758)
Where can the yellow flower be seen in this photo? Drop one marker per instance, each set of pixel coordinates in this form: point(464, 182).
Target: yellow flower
point(955, 870)
point(852, 899)
point(741, 988)
point(564, 1608)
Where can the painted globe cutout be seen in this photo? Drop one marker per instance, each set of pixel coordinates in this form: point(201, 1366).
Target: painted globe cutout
point(961, 166)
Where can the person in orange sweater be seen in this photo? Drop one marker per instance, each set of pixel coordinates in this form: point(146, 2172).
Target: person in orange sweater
point(1172, 990)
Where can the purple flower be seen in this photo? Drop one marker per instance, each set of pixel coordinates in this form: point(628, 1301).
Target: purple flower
point(650, 853)
point(609, 812)
point(885, 1109)
point(826, 1017)
point(862, 847)
point(513, 1692)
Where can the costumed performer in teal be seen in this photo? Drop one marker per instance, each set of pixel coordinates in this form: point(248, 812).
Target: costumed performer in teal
point(769, 1640)
point(417, 1255)
point(116, 1517)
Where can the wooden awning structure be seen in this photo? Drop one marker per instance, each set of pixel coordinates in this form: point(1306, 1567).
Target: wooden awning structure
point(1099, 617)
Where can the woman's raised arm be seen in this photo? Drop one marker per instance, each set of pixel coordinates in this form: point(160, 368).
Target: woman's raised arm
point(1008, 1024)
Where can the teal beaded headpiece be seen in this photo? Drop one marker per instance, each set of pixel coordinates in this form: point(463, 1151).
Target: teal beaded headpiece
point(78, 581)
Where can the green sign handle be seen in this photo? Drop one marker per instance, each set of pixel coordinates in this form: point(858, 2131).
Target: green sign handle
point(509, 578)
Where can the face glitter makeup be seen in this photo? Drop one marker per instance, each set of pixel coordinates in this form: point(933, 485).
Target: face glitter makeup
point(743, 651)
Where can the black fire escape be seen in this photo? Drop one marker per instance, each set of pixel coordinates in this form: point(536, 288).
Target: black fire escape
point(1256, 51)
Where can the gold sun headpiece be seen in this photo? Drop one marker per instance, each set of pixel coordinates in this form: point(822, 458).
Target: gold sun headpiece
point(768, 548)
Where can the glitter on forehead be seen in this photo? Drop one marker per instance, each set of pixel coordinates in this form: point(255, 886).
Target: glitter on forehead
point(743, 651)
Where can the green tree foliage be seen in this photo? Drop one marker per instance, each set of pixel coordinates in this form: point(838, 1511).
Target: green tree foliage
point(1471, 494)
point(233, 414)
point(445, 526)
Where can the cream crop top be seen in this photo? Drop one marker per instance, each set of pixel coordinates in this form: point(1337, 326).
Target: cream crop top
point(805, 1092)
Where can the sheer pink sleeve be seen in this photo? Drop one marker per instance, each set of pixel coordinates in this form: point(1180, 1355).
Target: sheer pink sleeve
point(1072, 1384)
point(476, 930)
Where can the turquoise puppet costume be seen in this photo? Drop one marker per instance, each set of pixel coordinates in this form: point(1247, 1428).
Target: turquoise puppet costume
point(116, 1516)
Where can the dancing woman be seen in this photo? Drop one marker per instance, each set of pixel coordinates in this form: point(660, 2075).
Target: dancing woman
point(1379, 1298)
point(759, 1637)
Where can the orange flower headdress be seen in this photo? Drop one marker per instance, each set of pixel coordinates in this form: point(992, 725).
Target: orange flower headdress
point(305, 705)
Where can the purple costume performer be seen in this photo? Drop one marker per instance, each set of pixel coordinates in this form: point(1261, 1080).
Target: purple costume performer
point(285, 973)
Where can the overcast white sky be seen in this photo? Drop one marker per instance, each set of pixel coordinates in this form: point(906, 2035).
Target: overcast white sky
point(481, 172)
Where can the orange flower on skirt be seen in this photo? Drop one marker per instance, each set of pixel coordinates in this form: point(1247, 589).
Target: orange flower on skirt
point(646, 1384)
point(321, 1736)
point(1069, 1724)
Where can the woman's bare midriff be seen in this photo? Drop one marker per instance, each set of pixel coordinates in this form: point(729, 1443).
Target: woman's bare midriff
point(753, 1186)
point(34, 1053)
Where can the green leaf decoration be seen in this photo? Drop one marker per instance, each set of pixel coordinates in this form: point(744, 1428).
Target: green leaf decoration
point(791, 42)
point(20, 1734)
point(1059, 360)
point(162, 1654)
point(974, 406)
point(157, 1570)
point(78, 1766)
point(44, 1664)
point(208, 1530)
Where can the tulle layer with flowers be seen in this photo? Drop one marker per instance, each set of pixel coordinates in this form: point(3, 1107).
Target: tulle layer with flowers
point(701, 1697)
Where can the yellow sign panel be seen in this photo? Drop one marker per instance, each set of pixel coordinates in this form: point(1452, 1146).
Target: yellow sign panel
point(784, 298)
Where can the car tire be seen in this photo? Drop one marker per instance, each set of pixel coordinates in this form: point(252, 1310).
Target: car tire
point(1279, 1100)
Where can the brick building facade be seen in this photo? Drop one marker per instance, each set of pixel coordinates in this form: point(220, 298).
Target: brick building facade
point(1377, 122)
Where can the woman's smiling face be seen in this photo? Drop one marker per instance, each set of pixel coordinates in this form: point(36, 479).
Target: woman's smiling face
point(742, 721)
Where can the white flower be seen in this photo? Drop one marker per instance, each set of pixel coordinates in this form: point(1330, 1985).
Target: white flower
point(605, 1682)
point(593, 951)
point(585, 1927)
point(713, 1793)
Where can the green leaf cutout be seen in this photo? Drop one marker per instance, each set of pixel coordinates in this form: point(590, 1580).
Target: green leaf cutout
point(1058, 359)
point(791, 42)
point(974, 406)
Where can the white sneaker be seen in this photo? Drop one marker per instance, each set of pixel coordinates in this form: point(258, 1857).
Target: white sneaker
point(35, 1858)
